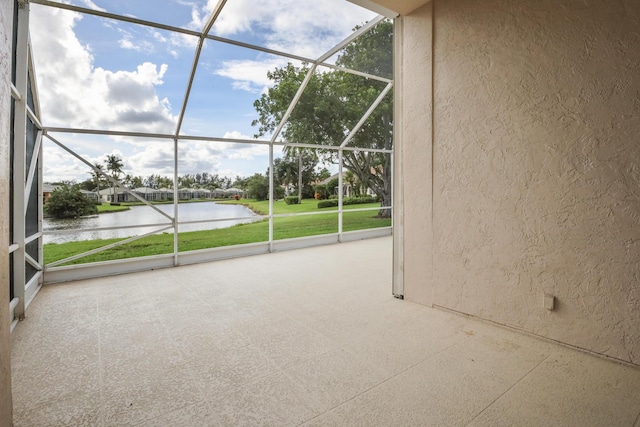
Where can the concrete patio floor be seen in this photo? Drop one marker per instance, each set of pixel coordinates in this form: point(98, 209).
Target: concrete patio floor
point(310, 337)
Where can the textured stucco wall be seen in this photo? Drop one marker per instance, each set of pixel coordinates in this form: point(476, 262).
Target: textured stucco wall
point(6, 22)
point(536, 172)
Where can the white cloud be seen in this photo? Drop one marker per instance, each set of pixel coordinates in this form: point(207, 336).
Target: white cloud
point(308, 29)
point(92, 5)
point(183, 41)
point(76, 93)
point(241, 150)
point(157, 35)
point(143, 157)
point(250, 75)
point(236, 135)
point(60, 166)
point(156, 157)
point(128, 41)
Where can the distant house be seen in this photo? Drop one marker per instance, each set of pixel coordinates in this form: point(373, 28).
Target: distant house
point(47, 189)
point(167, 193)
point(119, 195)
point(147, 193)
point(289, 190)
point(154, 194)
point(218, 193)
point(91, 195)
point(199, 193)
point(232, 192)
point(221, 193)
point(150, 194)
point(347, 189)
point(184, 194)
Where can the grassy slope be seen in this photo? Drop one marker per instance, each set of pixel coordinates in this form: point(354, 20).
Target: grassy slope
point(284, 228)
point(106, 207)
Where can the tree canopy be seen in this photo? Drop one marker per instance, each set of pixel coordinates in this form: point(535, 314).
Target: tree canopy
point(287, 171)
point(333, 103)
point(257, 187)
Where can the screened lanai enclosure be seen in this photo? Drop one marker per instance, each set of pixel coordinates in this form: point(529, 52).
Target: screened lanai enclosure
point(203, 101)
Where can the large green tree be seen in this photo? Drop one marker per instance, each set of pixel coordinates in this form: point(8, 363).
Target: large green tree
point(333, 103)
point(67, 201)
point(257, 187)
point(297, 169)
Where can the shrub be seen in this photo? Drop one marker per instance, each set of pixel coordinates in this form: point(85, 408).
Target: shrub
point(359, 200)
point(68, 202)
point(327, 204)
point(291, 200)
point(307, 191)
point(278, 193)
point(346, 201)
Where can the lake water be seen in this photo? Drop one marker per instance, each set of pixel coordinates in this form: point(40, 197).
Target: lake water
point(143, 215)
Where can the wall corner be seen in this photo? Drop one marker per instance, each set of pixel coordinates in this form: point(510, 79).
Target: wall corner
point(413, 161)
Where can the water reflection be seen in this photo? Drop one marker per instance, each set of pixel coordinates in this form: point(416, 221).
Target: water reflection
point(142, 215)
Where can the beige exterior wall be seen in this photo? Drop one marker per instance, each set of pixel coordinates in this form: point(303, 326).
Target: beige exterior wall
point(536, 167)
point(6, 22)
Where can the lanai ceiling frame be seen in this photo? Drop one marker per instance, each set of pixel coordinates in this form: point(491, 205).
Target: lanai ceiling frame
point(177, 135)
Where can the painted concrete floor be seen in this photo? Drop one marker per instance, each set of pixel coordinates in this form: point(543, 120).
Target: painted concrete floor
point(310, 337)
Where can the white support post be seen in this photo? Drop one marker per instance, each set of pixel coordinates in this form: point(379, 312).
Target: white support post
point(340, 196)
point(176, 194)
point(398, 169)
point(271, 193)
point(19, 158)
point(39, 174)
point(299, 177)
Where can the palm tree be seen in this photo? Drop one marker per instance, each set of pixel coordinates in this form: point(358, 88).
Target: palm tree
point(127, 181)
point(351, 180)
point(114, 165)
point(98, 171)
point(298, 154)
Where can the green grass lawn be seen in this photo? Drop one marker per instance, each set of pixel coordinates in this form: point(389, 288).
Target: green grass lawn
point(284, 228)
point(107, 208)
point(279, 206)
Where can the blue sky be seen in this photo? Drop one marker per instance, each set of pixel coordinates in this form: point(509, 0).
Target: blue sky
point(104, 74)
